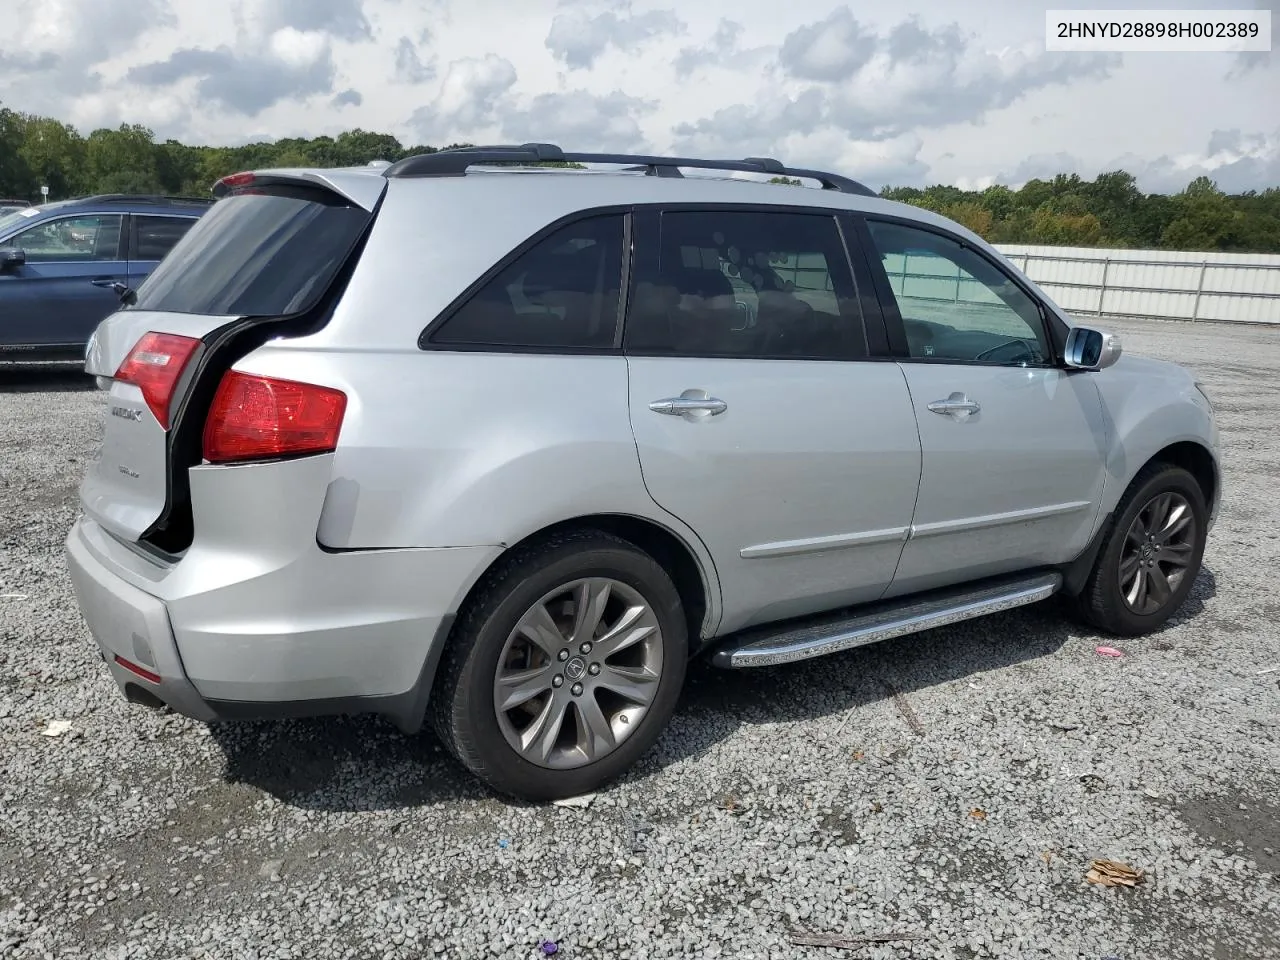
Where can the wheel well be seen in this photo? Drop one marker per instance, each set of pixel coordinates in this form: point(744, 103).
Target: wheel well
point(659, 543)
point(1197, 461)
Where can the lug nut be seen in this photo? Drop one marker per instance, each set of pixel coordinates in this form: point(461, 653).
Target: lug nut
point(594, 669)
point(576, 689)
point(585, 648)
point(563, 655)
point(557, 681)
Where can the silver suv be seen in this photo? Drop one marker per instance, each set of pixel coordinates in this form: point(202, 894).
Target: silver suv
point(501, 445)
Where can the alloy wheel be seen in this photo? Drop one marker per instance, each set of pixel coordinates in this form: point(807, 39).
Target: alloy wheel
point(578, 673)
point(1157, 553)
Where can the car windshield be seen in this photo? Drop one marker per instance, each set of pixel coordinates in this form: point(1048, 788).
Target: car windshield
point(11, 216)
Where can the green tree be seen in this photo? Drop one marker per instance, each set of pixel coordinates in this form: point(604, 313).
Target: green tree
point(122, 160)
point(972, 215)
point(54, 155)
point(1064, 209)
point(1206, 219)
point(15, 174)
point(1064, 229)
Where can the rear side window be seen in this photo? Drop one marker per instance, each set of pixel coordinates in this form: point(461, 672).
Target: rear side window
point(257, 254)
point(561, 293)
point(746, 284)
point(154, 237)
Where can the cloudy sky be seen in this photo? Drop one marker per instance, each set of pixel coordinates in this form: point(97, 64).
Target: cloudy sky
point(903, 93)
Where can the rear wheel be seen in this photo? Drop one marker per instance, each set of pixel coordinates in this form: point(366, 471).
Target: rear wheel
point(564, 668)
point(1152, 555)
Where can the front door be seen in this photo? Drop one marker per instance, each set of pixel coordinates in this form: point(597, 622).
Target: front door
point(63, 290)
point(1013, 445)
point(761, 420)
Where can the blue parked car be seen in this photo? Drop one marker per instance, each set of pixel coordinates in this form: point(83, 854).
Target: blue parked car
point(65, 266)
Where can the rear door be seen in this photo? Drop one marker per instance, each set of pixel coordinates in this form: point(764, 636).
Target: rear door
point(1013, 445)
point(269, 255)
point(763, 418)
point(151, 237)
point(63, 290)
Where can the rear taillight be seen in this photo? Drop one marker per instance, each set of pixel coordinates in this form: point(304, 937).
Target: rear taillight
point(154, 366)
point(254, 417)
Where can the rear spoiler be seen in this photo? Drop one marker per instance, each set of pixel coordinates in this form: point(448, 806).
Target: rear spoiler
point(362, 186)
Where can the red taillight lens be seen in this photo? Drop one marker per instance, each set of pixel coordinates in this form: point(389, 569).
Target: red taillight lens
point(154, 366)
point(260, 417)
point(236, 180)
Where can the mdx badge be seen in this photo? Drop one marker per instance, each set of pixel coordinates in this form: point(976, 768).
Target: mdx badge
point(126, 413)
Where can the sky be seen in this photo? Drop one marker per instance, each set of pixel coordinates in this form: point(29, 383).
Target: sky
point(906, 94)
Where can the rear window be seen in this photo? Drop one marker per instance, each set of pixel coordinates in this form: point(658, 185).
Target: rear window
point(258, 254)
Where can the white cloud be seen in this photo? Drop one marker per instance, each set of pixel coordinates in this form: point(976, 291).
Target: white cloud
point(834, 48)
point(298, 48)
point(468, 98)
point(588, 121)
point(884, 94)
point(577, 38)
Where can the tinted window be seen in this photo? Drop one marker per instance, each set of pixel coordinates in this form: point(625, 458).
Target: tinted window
point(72, 240)
point(256, 255)
point(156, 236)
point(561, 293)
point(955, 304)
point(774, 285)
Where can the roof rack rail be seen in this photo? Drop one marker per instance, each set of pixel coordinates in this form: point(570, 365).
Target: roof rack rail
point(140, 198)
point(455, 162)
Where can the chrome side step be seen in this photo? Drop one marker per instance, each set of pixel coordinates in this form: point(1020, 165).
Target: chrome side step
point(831, 633)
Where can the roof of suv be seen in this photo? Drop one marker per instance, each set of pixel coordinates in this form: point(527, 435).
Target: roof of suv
point(500, 173)
point(649, 178)
point(119, 203)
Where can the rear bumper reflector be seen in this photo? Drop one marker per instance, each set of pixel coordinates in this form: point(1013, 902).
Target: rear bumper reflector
point(142, 672)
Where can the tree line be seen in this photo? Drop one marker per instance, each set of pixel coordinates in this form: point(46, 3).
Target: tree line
point(1109, 211)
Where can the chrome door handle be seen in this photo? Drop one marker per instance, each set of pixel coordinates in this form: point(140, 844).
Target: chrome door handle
point(678, 406)
point(957, 405)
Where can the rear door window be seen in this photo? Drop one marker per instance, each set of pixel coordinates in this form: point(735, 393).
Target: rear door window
point(257, 254)
point(750, 284)
point(154, 237)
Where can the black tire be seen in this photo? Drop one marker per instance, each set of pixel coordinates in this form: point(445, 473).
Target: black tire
point(1101, 602)
point(463, 702)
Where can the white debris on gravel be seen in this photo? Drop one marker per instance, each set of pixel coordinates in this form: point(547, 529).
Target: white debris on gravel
point(836, 797)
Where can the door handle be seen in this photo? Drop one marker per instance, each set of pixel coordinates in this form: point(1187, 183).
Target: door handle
point(109, 282)
point(957, 405)
point(679, 406)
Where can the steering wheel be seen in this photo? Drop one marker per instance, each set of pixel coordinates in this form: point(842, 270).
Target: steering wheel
point(1028, 350)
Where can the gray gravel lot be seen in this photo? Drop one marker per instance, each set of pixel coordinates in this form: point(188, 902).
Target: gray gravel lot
point(831, 797)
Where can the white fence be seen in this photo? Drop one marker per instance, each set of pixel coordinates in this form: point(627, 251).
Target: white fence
point(1241, 287)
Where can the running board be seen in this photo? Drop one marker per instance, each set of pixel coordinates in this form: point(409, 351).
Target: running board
point(831, 633)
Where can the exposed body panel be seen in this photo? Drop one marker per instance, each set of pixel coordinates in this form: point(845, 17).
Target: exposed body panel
point(802, 489)
point(1015, 486)
point(475, 449)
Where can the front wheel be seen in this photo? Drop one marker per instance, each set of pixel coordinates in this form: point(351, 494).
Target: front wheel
point(1152, 555)
point(564, 668)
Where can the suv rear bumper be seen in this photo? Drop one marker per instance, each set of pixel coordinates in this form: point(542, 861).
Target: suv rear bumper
point(235, 631)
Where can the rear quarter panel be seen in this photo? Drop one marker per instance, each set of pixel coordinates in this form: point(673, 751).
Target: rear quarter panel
point(474, 449)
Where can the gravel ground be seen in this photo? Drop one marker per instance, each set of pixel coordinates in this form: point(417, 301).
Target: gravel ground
point(954, 785)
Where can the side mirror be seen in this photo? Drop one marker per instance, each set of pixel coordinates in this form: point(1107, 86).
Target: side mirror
point(12, 257)
point(1091, 349)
